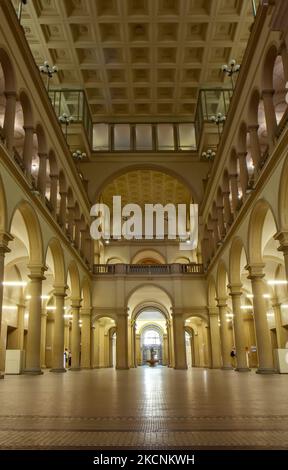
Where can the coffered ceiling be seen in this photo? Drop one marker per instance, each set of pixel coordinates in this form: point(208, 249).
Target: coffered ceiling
point(146, 187)
point(138, 57)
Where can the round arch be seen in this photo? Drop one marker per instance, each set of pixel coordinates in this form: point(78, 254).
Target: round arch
point(8, 70)
point(255, 230)
point(73, 272)
point(148, 285)
point(283, 197)
point(3, 208)
point(268, 67)
point(152, 167)
point(32, 225)
point(235, 254)
point(149, 305)
point(148, 254)
point(222, 277)
point(58, 261)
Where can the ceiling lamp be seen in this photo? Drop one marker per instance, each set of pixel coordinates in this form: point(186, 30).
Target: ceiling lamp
point(78, 155)
point(231, 70)
point(219, 120)
point(209, 155)
point(46, 69)
point(66, 120)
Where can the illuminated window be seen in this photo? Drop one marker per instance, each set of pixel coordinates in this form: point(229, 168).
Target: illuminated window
point(151, 338)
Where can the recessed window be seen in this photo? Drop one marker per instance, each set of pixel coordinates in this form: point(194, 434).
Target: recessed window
point(101, 137)
point(122, 137)
point(144, 137)
point(165, 137)
point(187, 138)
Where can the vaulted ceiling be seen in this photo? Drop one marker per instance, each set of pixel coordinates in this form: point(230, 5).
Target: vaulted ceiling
point(138, 58)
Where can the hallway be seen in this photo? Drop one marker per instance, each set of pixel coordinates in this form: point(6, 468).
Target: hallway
point(144, 408)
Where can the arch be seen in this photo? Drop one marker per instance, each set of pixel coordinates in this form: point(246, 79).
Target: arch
point(3, 208)
point(235, 254)
point(149, 305)
point(36, 252)
point(253, 107)
point(283, 197)
point(25, 102)
point(148, 285)
point(86, 293)
point(58, 261)
point(152, 167)
point(255, 230)
point(222, 278)
point(144, 254)
point(41, 137)
point(268, 67)
point(8, 70)
point(115, 260)
point(73, 273)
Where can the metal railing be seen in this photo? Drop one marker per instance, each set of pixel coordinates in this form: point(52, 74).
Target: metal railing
point(148, 269)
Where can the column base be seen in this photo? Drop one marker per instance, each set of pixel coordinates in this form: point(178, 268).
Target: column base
point(58, 371)
point(242, 369)
point(32, 372)
point(1, 376)
point(72, 369)
point(266, 371)
point(181, 368)
point(122, 368)
point(227, 368)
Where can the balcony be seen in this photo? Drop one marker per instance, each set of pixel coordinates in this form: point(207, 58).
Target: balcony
point(147, 269)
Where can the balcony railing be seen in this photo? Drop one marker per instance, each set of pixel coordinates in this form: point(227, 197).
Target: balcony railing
point(148, 269)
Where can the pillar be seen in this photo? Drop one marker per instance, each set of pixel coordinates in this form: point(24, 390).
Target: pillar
point(20, 325)
point(9, 119)
point(239, 330)
point(282, 237)
point(53, 193)
point(86, 338)
point(5, 238)
point(71, 211)
point(215, 338)
point(280, 331)
point(270, 117)
point(227, 208)
point(62, 214)
point(43, 338)
point(34, 324)
point(41, 183)
point(220, 217)
point(255, 145)
point(95, 363)
point(77, 233)
point(179, 341)
point(244, 175)
point(263, 339)
point(58, 339)
point(224, 335)
point(284, 56)
point(28, 149)
point(122, 341)
point(75, 345)
point(133, 344)
point(234, 191)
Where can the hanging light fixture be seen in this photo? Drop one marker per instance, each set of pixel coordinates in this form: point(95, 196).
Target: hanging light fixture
point(66, 120)
point(46, 69)
point(78, 155)
point(209, 155)
point(20, 8)
point(219, 119)
point(231, 70)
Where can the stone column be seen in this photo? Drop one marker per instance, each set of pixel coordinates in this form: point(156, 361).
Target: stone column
point(20, 325)
point(282, 237)
point(53, 193)
point(96, 345)
point(227, 208)
point(255, 145)
point(220, 210)
point(58, 340)
point(5, 238)
point(216, 230)
point(280, 331)
point(224, 334)
point(244, 175)
point(215, 338)
point(41, 183)
point(234, 191)
point(179, 341)
point(239, 331)
point(284, 56)
point(263, 339)
point(270, 117)
point(77, 233)
point(71, 213)
point(62, 214)
point(75, 346)
point(43, 339)
point(28, 149)
point(122, 341)
point(133, 345)
point(34, 324)
point(9, 119)
point(86, 338)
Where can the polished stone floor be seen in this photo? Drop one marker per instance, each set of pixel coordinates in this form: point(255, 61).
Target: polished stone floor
point(144, 408)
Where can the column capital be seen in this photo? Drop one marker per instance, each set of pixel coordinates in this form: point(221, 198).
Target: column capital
point(268, 92)
point(255, 271)
point(54, 176)
point(75, 302)
point(235, 289)
point(282, 238)
point(37, 271)
point(42, 155)
point(29, 129)
point(10, 94)
point(86, 311)
point(222, 302)
point(241, 154)
point(253, 127)
point(59, 290)
point(5, 238)
point(213, 311)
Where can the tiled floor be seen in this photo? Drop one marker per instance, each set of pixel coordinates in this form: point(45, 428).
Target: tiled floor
point(144, 408)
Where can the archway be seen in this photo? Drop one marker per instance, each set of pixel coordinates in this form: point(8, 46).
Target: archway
point(151, 342)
